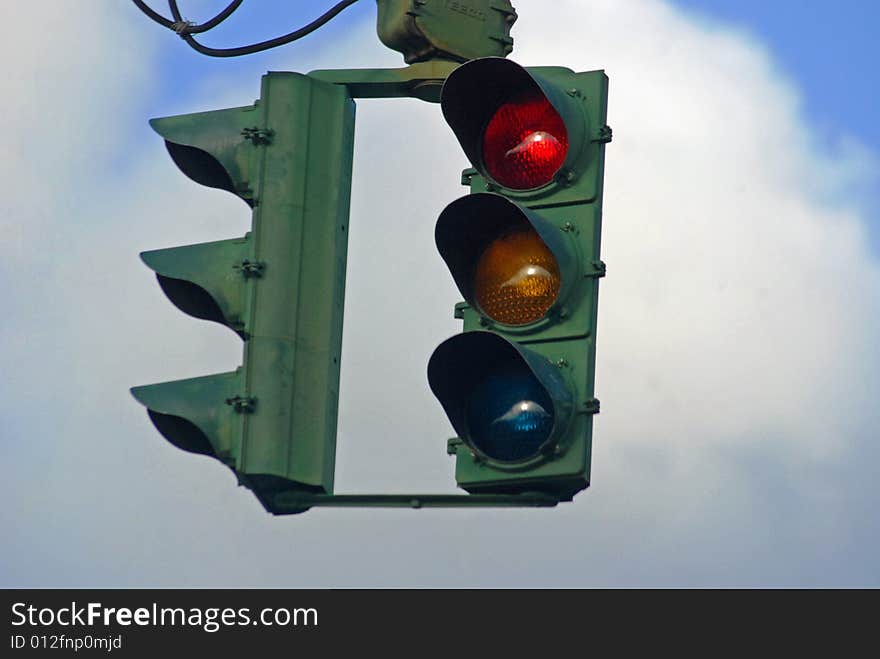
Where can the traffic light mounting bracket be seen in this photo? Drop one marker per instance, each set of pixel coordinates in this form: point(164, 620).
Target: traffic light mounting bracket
point(422, 80)
point(287, 503)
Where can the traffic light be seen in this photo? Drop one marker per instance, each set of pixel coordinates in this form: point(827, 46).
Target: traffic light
point(280, 287)
point(523, 250)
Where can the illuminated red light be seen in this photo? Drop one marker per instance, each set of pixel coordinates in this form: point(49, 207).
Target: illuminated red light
point(525, 143)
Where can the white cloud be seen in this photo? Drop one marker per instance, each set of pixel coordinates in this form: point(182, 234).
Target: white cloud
point(73, 75)
point(736, 354)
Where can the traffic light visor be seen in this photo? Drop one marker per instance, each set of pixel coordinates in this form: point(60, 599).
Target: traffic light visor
point(511, 264)
point(515, 128)
point(209, 147)
point(504, 401)
point(203, 281)
point(184, 412)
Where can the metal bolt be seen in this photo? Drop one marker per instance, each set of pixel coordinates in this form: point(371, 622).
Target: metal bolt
point(251, 268)
point(242, 404)
point(258, 135)
point(566, 177)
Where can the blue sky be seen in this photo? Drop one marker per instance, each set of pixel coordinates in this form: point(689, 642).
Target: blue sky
point(737, 366)
point(830, 50)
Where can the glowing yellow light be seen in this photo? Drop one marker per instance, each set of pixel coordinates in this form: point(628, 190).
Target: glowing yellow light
point(517, 279)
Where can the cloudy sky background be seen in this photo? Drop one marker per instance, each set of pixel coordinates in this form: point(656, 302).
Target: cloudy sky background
point(737, 359)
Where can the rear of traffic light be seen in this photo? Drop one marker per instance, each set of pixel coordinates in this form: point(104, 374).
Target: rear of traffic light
point(523, 249)
point(280, 287)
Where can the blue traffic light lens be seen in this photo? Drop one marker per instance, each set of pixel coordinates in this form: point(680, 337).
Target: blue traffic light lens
point(509, 417)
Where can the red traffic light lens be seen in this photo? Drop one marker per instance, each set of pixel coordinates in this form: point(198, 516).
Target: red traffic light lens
point(525, 143)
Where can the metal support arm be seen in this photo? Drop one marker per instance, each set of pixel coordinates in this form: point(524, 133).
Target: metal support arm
point(288, 503)
point(423, 80)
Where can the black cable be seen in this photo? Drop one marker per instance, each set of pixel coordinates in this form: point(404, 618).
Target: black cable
point(214, 22)
point(179, 25)
point(161, 20)
point(186, 31)
point(263, 45)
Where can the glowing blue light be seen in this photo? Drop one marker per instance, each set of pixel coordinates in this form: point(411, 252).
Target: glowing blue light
point(509, 416)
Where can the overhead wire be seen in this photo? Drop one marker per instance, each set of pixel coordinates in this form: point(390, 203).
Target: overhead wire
point(186, 30)
point(161, 20)
point(214, 22)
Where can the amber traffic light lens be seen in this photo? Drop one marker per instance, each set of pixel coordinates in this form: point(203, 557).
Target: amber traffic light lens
point(525, 143)
point(516, 279)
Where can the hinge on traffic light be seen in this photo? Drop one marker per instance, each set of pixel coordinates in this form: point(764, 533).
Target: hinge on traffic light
point(591, 406)
point(467, 175)
point(250, 268)
point(566, 176)
point(258, 135)
point(605, 135)
point(242, 404)
point(597, 270)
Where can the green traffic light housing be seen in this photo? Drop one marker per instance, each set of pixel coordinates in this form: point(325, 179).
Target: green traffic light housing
point(289, 157)
point(524, 251)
